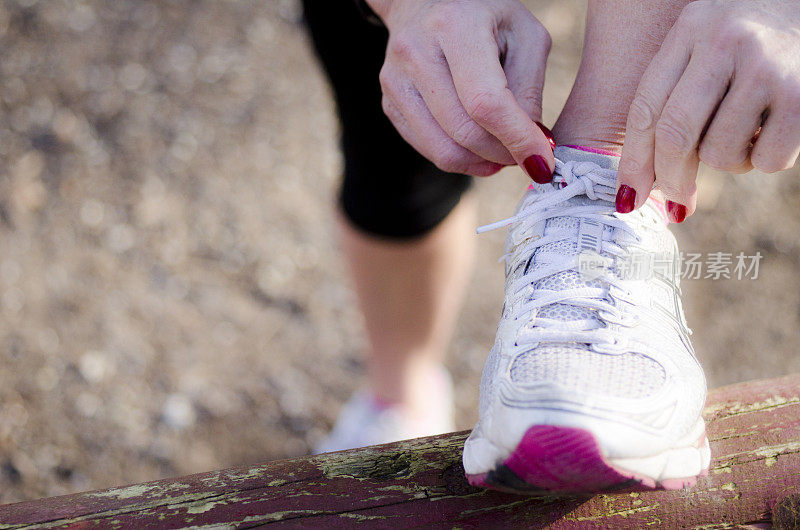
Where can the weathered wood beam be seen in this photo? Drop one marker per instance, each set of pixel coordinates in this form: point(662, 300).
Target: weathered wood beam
point(754, 430)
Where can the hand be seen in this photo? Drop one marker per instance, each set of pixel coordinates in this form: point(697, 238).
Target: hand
point(726, 70)
point(462, 83)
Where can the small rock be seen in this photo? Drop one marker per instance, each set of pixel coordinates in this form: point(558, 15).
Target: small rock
point(178, 412)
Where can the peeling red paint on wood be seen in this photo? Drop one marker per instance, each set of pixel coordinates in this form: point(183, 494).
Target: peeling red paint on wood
point(754, 429)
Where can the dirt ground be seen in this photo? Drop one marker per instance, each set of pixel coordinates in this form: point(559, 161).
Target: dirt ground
point(172, 299)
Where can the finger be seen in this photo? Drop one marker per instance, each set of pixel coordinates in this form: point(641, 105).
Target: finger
point(439, 93)
point(727, 143)
point(778, 143)
point(483, 89)
point(410, 116)
point(525, 63)
point(686, 114)
point(637, 165)
point(525, 66)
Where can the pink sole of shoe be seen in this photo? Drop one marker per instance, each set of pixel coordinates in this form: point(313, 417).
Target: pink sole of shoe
point(566, 460)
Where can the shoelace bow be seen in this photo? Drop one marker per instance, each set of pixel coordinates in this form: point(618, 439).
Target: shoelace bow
point(571, 179)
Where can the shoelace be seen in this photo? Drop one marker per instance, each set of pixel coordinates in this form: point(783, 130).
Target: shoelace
point(571, 179)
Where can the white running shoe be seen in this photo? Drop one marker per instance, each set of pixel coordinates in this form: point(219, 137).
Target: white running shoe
point(365, 421)
point(592, 383)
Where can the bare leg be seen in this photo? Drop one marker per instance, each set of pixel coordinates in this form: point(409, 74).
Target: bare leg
point(622, 36)
point(410, 293)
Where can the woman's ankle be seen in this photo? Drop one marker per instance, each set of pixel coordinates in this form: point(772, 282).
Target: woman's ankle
point(582, 129)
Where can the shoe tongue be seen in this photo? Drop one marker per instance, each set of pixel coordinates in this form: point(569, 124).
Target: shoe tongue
point(605, 161)
point(569, 247)
point(569, 279)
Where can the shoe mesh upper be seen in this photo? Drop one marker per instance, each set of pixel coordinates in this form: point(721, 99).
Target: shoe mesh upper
point(575, 366)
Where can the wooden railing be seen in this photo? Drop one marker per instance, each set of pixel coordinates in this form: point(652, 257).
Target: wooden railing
point(754, 479)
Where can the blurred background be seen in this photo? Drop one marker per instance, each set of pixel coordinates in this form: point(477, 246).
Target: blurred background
point(172, 299)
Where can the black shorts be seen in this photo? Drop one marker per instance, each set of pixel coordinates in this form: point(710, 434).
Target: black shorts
point(388, 188)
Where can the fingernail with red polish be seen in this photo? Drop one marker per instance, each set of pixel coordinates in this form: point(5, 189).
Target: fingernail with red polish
point(537, 169)
point(549, 134)
point(626, 198)
point(677, 212)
